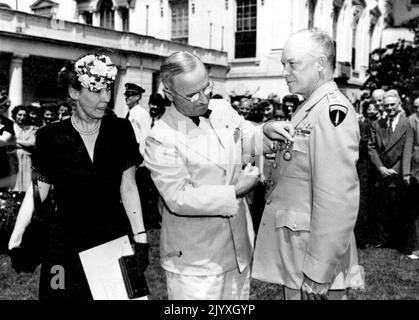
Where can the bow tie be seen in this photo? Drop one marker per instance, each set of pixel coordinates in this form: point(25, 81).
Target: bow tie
point(196, 120)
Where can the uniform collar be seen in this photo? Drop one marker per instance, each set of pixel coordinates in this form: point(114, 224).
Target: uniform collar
point(315, 97)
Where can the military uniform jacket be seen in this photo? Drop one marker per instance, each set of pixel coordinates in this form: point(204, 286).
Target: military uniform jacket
point(205, 229)
point(312, 206)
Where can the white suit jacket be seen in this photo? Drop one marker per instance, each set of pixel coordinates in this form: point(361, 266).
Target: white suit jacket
point(141, 123)
point(205, 229)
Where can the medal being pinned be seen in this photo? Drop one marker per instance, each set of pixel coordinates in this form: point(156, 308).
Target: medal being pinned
point(288, 150)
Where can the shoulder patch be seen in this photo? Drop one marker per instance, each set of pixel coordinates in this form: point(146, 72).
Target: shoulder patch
point(337, 114)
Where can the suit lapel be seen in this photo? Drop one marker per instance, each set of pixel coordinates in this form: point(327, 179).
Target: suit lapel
point(383, 132)
point(398, 133)
point(192, 137)
point(225, 136)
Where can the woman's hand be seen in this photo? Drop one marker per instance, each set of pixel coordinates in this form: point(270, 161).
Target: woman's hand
point(15, 240)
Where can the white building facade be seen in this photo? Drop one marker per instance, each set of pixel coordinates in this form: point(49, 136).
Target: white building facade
point(241, 41)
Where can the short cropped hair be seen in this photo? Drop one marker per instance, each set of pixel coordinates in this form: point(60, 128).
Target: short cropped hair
point(392, 94)
point(177, 63)
point(325, 43)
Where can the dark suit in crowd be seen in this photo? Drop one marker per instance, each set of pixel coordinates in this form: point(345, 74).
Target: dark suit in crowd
point(393, 150)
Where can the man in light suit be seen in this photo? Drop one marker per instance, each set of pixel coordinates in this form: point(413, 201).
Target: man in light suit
point(195, 154)
point(305, 241)
point(137, 115)
point(390, 149)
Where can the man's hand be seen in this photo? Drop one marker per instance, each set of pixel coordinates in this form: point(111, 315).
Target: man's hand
point(247, 180)
point(311, 290)
point(386, 172)
point(279, 130)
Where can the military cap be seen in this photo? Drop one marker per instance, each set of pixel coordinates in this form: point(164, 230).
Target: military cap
point(133, 89)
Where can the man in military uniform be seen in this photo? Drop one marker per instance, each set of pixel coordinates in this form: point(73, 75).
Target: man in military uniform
point(305, 241)
point(137, 115)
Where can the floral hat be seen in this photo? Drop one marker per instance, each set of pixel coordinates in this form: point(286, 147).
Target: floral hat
point(95, 72)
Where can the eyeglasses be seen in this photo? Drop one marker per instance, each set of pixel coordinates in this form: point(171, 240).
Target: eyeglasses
point(195, 96)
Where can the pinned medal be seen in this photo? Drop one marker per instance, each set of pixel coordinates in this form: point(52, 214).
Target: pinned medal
point(287, 155)
point(288, 151)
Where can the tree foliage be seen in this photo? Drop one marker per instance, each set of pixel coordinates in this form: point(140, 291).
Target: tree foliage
point(397, 65)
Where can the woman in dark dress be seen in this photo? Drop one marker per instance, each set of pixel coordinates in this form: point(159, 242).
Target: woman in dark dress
point(90, 161)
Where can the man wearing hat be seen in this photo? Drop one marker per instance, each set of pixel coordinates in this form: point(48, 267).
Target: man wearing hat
point(137, 115)
point(6, 138)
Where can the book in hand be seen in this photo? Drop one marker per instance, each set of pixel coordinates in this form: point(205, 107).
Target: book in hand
point(134, 279)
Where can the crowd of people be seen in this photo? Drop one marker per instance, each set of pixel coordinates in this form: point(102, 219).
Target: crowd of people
point(19, 127)
point(243, 188)
point(388, 172)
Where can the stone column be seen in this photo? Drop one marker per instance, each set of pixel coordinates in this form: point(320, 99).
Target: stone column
point(96, 19)
point(118, 19)
point(81, 18)
point(16, 80)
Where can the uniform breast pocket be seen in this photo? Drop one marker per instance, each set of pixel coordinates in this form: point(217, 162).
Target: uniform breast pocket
point(299, 165)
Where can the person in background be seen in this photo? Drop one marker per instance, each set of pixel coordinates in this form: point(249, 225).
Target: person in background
point(268, 110)
point(25, 142)
point(290, 103)
point(49, 113)
point(64, 111)
point(377, 98)
point(390, 148)
point(245, 107)
point(137, 115)
point(411, 247)
point(7, 161)
point(364, 228)
point(279, 114)
point(275, 100)
point(157, 106)
point(34, 118)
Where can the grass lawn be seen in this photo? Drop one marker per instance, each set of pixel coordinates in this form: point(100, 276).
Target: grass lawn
point(389, 276)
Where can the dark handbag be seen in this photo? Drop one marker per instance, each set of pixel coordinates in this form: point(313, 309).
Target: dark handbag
point(31, 252)
point(134, 279)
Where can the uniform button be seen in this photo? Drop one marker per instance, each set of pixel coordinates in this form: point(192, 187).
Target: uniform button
point(268, 202)
point(275, 165)
point(294, 226)
point(272, 183)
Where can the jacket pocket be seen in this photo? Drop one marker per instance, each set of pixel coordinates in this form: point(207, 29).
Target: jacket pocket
point(295, 221)
point(299, 165)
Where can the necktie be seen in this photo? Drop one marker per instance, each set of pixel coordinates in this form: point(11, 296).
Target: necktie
point(390, 126)
point(196, 120)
